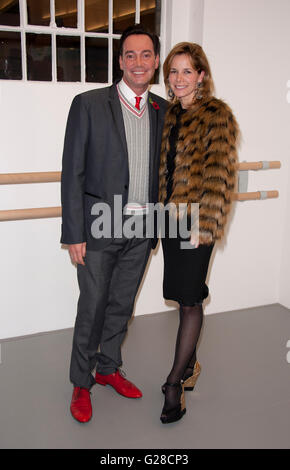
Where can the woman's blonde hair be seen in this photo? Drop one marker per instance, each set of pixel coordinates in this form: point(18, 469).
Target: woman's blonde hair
point(198, 60)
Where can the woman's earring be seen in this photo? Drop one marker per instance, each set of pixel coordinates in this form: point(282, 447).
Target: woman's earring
point(199, 85)
point(198, 91)
point(170, 93)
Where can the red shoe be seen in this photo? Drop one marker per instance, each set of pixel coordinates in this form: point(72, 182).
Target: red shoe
point(81, 407)
point(120, 384)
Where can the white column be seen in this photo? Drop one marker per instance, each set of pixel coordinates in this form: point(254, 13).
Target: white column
point(187, 21)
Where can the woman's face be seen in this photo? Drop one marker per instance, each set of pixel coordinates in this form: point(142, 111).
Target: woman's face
point(183, 79)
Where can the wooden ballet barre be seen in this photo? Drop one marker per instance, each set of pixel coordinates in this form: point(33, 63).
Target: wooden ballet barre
point(48, 212)
point(25, 178)
point(255, 195)
point(258, 165)
point(34, 213)
point(55, 176)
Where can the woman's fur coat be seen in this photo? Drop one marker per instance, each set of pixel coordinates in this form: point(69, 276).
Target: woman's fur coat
point(205, 162)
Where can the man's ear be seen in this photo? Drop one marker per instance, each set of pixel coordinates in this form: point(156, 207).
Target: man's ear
point(121, 62)
point(157, 60)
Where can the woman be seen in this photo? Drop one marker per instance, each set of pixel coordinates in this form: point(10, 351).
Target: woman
point(198, 161)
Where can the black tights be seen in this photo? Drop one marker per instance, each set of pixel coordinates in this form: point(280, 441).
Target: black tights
point(190, 324)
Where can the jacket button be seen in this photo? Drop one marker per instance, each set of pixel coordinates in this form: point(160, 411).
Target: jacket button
point(126, 186)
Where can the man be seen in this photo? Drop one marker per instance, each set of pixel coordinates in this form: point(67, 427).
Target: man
point(112, 146)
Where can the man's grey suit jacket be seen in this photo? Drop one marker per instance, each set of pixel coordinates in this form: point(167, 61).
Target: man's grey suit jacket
point(95, 160)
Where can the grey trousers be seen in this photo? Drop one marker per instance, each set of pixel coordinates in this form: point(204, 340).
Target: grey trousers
point(108, 285)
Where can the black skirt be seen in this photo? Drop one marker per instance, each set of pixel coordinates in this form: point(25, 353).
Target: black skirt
point(185, 270)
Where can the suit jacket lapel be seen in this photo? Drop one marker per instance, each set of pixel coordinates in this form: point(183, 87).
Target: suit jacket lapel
point(116, 109)
point(153, 127)
point(153, 118)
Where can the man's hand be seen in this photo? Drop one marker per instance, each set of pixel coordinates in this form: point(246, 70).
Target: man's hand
point(77, 252)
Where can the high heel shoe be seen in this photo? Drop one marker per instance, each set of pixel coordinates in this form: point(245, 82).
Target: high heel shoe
point(175, 413)
point(189, 382)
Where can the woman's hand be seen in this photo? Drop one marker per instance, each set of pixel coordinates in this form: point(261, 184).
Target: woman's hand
point(194, 239)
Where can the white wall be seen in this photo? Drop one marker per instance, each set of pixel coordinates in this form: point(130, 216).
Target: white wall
point(38, 285)
point(284, 291)
point(185, 22)
point(246, 43)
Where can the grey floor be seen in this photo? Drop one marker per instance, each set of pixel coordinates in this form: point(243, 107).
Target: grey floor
point(241, 400)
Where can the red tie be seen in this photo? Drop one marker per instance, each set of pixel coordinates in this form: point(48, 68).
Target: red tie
point(138, 99)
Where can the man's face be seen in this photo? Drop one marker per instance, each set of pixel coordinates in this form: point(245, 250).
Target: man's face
point(138, 62)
